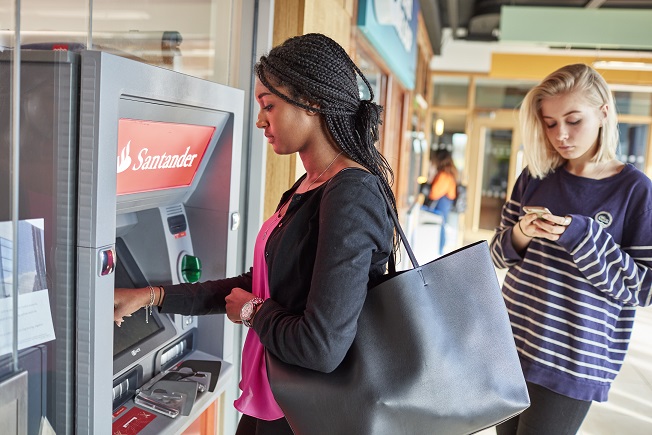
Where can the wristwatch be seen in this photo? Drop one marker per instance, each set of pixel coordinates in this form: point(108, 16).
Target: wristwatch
point(248, 311)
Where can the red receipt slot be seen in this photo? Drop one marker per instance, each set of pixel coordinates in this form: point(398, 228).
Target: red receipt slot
point(158, 155)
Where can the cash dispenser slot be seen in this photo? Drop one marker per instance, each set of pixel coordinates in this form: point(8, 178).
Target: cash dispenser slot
point(124, 386)
point(176, 351)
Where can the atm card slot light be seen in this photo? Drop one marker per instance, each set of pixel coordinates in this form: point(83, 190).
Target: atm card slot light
point(107, 260)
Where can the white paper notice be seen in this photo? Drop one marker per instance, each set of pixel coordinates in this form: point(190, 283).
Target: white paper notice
point(34, 314)
point(34, 321)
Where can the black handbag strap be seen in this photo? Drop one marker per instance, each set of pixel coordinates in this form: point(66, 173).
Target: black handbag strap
point(404, 239)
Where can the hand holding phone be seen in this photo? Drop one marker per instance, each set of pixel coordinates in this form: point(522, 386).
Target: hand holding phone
point(533, 224)
point(538, 210)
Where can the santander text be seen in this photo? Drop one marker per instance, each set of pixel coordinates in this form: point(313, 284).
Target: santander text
point(163, 161)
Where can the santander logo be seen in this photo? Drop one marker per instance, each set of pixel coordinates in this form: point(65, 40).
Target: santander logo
point(161, 161)
point(159, 155)
point(124, 159)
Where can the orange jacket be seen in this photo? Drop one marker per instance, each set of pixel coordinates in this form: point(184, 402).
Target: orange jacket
point(444, 184)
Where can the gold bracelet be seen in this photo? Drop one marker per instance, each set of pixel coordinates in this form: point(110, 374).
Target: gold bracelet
point(523, 232)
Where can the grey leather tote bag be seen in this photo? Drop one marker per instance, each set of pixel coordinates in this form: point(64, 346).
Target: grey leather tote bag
point(434, 354)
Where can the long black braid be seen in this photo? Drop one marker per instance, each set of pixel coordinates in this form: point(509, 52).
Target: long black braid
point(320, 76)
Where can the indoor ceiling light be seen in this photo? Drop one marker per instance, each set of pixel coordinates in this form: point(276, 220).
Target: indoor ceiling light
point(622, 65)
point(439, 127)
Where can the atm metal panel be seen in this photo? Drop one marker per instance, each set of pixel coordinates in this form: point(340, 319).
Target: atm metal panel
point(111, 87)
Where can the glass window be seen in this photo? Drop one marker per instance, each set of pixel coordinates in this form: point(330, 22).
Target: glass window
point(445, 125)
point(500, 94)
point(373, 74)
point(633, 103)
point(192, 37)
point(45, 241)
point(449, 132)
point(450, 91)
point(6, 267)
point(61, 22)
point(495, 174)
point(9, 363)
point(633, 144)
point(377, 80)
point(417, 151)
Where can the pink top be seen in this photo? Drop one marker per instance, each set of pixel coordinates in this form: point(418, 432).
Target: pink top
point(256, 399)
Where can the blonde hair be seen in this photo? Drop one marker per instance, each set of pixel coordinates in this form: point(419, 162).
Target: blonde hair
point(541, 156)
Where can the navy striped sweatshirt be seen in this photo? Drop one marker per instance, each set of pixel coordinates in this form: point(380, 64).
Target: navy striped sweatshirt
point(572, 302)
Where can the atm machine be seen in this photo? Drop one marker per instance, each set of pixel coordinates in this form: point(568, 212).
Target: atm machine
point(135, 172)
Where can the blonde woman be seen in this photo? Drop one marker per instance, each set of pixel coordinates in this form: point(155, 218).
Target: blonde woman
point(576, 237)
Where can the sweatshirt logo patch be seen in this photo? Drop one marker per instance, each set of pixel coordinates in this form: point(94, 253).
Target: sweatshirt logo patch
point(604, 218)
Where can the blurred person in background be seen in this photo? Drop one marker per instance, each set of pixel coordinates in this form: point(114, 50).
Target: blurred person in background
point(443, 191)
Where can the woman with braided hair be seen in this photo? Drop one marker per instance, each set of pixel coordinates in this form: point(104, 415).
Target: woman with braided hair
point(329, 239)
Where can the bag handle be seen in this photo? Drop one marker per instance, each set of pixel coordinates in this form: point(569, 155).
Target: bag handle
point(403, 237)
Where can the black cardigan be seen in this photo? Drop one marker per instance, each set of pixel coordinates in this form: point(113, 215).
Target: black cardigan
point(332, 243)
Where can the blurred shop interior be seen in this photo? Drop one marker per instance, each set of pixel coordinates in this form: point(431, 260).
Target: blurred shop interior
point(449, 74)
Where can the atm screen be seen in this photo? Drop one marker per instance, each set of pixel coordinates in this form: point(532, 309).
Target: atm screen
point(165, 154)
point(134, 329)
point(137, 335)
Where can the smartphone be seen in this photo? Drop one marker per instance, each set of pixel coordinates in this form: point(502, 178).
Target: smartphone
point(539, 211)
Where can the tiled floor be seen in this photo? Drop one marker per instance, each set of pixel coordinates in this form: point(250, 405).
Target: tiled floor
point(629, 408)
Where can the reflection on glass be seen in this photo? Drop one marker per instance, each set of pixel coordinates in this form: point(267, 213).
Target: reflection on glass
point(6, 267)
point(47, 172)
point(31, 259)
point(495, 170)
point(419, 147)
point(182, 36)
point(8, 314)
point(373, 75)
point(633, 144)
point(192, 37)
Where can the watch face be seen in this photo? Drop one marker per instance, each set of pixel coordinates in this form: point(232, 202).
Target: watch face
point(246, 311)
